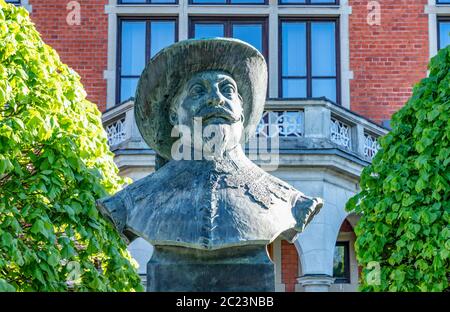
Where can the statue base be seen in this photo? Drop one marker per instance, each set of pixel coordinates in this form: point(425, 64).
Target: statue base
point(245, 268)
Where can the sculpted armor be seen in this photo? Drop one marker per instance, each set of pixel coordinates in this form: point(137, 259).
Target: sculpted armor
point(210, 205)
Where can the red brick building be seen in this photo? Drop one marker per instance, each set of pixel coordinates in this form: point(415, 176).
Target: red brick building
point(362, 56)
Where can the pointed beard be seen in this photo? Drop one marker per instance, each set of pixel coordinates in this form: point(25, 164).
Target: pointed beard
point(218, 138)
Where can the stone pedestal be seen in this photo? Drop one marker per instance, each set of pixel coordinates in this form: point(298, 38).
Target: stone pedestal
point(246, 268)
point(316, 282)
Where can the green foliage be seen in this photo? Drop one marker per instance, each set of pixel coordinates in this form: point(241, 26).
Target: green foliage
point(54, 164)
point(405, 198)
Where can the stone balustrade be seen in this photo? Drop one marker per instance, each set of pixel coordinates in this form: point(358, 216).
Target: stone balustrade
point(314, 126)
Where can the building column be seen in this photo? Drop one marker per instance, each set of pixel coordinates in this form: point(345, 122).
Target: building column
point(110, 73)
point(272, 62)
point(279, 285)
point(26, 4)
point(316, 282)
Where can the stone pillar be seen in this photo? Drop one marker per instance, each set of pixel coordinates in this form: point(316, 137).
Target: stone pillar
point(316, 282)
point(359, 139)
point(317, 122)
point(239, 268)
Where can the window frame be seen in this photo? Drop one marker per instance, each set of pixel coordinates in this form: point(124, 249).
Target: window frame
point(309, 76)
point(228, 22)
point(148, 20)
point(308, 2)
point(148, 2)
point(440, 19)
point(347, 272)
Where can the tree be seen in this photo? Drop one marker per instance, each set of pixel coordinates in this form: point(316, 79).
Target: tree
point(54, 164)
point(404, 201)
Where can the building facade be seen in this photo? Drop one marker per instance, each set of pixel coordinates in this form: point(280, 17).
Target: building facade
point(338, 70)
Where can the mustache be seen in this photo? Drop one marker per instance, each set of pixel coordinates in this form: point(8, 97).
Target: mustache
point(207, 113)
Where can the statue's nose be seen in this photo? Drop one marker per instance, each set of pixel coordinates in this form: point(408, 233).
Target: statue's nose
point(215, 98)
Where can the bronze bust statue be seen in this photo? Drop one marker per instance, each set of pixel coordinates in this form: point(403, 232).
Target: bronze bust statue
point(218, 208)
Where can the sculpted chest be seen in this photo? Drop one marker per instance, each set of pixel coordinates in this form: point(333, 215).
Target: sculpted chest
point(206, 205)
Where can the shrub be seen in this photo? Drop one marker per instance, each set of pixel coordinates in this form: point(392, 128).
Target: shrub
point(405, 198)
point(54, 164)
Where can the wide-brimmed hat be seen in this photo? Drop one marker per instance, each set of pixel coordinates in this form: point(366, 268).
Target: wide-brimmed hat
point(173, 66)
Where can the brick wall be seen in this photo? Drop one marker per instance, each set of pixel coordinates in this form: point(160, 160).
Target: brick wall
point(84, 47)
point(346, 227)
point(387, 60)
point(289, 265)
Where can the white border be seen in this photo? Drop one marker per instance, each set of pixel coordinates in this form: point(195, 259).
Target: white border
point(26, 5)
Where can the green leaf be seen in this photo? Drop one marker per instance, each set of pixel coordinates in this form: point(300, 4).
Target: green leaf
point(5, 165)
point(38, 227)
point(405, 193)
point(53, 259)
point(67, 252)
point(7, 239)
point(5, 286)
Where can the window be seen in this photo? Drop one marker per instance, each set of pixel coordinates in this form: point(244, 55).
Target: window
point(309, 59)
point(148, 1)
point(443, 32)
point(341, 263)
point(139, 40)
point(13, 1)
point(252, 31)
point(228, 1)
point(442, 1)
point(308, 1)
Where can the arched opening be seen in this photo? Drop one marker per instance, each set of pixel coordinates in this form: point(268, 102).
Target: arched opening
point(345, 267)
point(286, 259)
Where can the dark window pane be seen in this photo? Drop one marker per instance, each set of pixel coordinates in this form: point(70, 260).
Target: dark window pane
point(127, 88)
point(323, 49)
point(208, 30)
point(133, 48)
point(294, 88)
point(162, 35)
point(294, 1)
point(443, 1)
point(324, 87)
point(444, 34)
point(339, 262)
point(293, 49)
point(250, 33)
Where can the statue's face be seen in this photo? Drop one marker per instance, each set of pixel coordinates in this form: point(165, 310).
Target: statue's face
point(212, 96)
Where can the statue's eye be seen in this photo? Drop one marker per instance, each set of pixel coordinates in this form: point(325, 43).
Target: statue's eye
point(197, 91)
point(228, 89)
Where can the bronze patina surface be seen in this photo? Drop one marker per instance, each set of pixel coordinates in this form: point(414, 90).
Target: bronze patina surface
point(209, 218)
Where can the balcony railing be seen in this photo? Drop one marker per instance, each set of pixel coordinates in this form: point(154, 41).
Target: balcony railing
point(319, 124)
